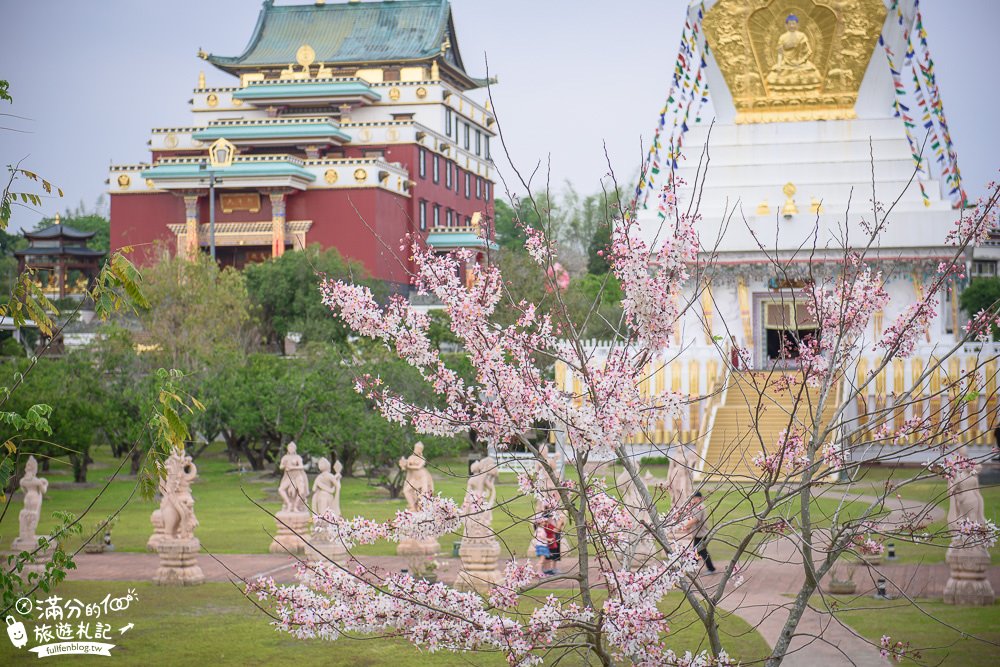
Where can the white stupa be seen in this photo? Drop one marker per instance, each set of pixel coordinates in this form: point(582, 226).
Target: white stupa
point(809, 132)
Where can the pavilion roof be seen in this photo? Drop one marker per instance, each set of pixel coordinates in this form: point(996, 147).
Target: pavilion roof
point(59, 230)
point(351, 33)
point(72, 251)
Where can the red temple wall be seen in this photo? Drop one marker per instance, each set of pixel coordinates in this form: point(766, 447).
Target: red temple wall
point(141, 221)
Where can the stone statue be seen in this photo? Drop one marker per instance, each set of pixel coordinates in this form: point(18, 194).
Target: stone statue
point(418, 480)
point(966, 501)
point(641, 546)
point(480, 549)
point(419, 552)
point(326, 489)
point(177, 546)
point(294, 486)
point(326, 500)
point(968, 558)
point(794, 70)
point(480, 491)
point(680, 484)
point(293, 519)
point(34, 487)
point(547, 482)
point(177, 503)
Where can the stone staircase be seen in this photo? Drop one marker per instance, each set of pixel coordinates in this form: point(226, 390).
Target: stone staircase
point(750, 420)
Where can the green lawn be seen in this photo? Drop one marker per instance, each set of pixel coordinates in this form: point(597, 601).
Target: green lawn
point(926, 628)
point(933, 492)
point(214, 624)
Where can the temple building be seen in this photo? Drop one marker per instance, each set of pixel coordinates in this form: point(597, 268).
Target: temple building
point(821, 109)
point(346, 124)
point(63, 263)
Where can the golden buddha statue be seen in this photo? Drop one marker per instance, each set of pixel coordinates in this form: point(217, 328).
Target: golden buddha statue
point(794, 70)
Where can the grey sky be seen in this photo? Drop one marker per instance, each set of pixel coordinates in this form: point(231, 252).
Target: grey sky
point(93, 77)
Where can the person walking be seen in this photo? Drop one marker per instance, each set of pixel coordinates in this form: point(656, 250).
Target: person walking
point(554, 530)
point(541, 544)
point(702, 527)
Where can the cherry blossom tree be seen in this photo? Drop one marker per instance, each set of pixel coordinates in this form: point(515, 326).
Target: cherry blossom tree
point(612, 612)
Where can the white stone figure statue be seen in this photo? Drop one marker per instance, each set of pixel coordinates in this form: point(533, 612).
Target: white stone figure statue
point(641, 545)
point(177, 546)
point(548, 482)
point(34, 487)
point(480, 549)
point(418, 483)
point(326, 501)
point(177, 503)
point(968, 558)
point(680, 484)
point(480, 493)
point(966, 501)
point(326, 489)
point(418, 479)
point(294, 487)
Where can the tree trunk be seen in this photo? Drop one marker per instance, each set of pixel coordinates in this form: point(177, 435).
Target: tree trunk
point(79, 464)
point(136, 462)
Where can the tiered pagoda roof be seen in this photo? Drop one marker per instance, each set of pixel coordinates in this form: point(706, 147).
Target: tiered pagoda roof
point(59, 239)
point(352, 33)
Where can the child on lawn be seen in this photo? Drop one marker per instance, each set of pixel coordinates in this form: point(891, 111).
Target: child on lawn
point(541, 543)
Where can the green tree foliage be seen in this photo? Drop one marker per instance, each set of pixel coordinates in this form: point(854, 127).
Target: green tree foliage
point(85, 222)
point(982, 294)
point(75, 418)
point(198, 312)
point(286, 291)
point(597, 263)
point(259, 403)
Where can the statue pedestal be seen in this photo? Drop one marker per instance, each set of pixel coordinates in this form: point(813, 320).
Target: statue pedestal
point(323, 552)
point(419, 553)
point(647, 553)
point(41, 557)
point(179, 563)
point(159, 534)
point(479, 565)
point(968, 584)
point(293, 528)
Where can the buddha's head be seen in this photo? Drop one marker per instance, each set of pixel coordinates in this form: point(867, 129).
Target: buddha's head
point(792, 22)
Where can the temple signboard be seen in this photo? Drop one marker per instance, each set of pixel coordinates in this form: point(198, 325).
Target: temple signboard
point(243, 201)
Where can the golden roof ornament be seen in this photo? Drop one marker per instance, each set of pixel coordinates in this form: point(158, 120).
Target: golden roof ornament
point(435, 71)
point(202, 54)
point(763, 208)
point(305, 56)
point(201, 81)
point(789, 209)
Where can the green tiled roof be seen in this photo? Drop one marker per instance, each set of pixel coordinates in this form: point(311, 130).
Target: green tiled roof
point(276, 131)
point(450, 240)
point(341, 32)
point(306, 89)
point(193, 170)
